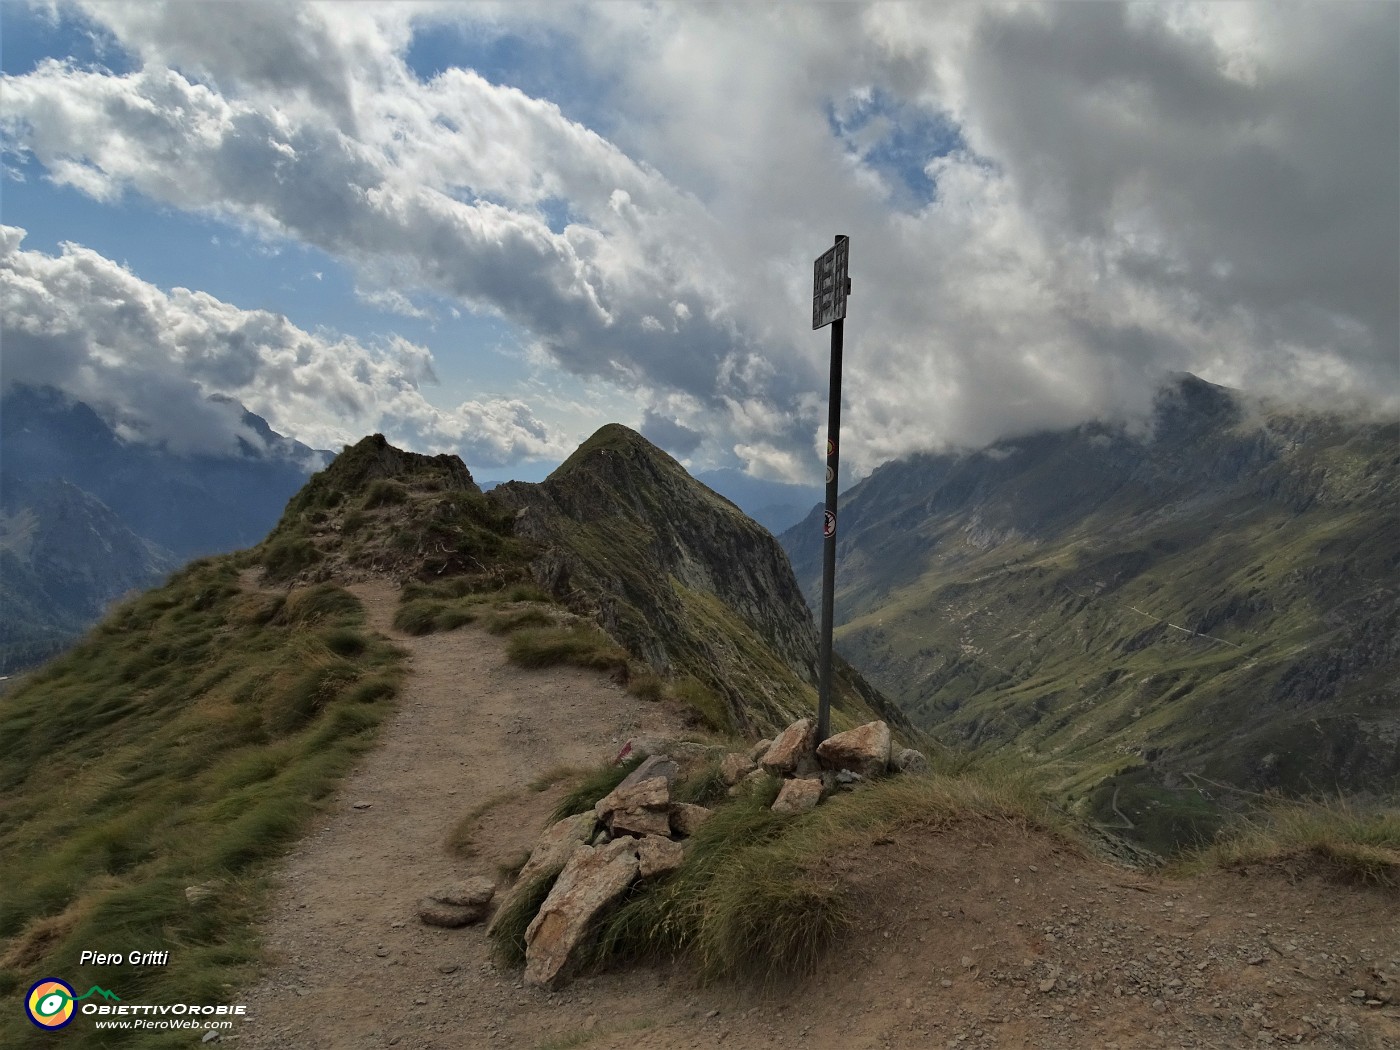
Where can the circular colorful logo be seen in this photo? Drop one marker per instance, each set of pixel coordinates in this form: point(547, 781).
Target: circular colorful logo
point(50, 1003)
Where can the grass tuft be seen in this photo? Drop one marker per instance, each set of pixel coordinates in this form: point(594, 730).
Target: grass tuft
point(512, 922)
point(709, 708)
point(385, 492)
point(703, 787)
point(581, 646)
point(288, 557)
point(504, 621)
point(647, 686)
point(461, 840)
point(594, 785)
point(430, 615)
point(1351, 843)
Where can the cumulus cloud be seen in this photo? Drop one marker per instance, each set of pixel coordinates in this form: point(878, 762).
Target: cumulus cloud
point(1097, 195)
point(150, 360)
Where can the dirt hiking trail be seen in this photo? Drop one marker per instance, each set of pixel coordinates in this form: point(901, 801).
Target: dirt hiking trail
point(982, 936)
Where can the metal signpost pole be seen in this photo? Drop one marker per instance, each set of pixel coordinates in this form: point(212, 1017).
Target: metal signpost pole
point(830, 286)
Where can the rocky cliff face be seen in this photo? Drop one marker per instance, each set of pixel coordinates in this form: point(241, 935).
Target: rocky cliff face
point(1216, 599)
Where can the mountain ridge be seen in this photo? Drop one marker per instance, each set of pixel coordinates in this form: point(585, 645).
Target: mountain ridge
point(619, 533)
point(1094, 600)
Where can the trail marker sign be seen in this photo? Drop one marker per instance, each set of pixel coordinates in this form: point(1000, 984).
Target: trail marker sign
point(830, 284)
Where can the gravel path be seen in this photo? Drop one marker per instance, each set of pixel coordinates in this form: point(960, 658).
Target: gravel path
point(982, 935)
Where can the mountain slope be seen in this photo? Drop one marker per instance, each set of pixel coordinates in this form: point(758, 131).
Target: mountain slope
point(160, 781)
point(64, 557)
point(89, 516)
point(189, 504)
point(681, 577)
point(1159, 622)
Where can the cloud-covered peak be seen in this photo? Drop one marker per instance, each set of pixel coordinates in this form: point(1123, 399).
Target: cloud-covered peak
point(150, 361)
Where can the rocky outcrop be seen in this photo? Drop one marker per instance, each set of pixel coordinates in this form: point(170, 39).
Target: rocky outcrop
point(592, 881)
point(550, 854)
point(656, 765)
point(657, 856)
point(734, 768)
point(639, 808)
point(631, 833)
point(798, 796)
point(910, 761)
point(687, 819)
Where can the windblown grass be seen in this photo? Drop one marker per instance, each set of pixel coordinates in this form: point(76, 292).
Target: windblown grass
point(188, 739)
point(582, 646)
point(461, 840)
point(1349, 842)
point(431, 615)
point(509, 926)
point(504, 621)
point(703, 787)
point(709, 708)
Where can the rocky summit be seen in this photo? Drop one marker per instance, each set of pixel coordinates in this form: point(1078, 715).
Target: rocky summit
point(620, 534)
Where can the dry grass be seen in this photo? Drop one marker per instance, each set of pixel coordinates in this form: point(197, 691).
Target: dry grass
point(1350, 842)
point(461, 840)
point(592, 786)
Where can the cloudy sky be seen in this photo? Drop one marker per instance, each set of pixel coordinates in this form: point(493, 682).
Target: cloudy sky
point(490, 228)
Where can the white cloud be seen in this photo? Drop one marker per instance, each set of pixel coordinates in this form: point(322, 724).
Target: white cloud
point(150, 359)
point(1136, 190)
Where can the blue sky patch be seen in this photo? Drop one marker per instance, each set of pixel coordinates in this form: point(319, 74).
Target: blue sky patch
point(897, 140)
point(30, 35)
point(542, 64)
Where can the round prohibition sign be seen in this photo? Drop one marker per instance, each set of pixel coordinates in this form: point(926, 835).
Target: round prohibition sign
point(828, 523)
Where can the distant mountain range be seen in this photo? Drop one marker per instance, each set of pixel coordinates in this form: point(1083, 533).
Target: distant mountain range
point(86, 517)
point(1161, 622)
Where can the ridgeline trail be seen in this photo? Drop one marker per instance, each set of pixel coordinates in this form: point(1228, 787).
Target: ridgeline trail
point(984, 934)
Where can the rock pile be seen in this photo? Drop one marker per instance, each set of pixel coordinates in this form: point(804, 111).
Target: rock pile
point(811, 771)
point(638, 831)
point(458, 905)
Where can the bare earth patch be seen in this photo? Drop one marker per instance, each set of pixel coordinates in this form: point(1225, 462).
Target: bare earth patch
point(982, 935)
